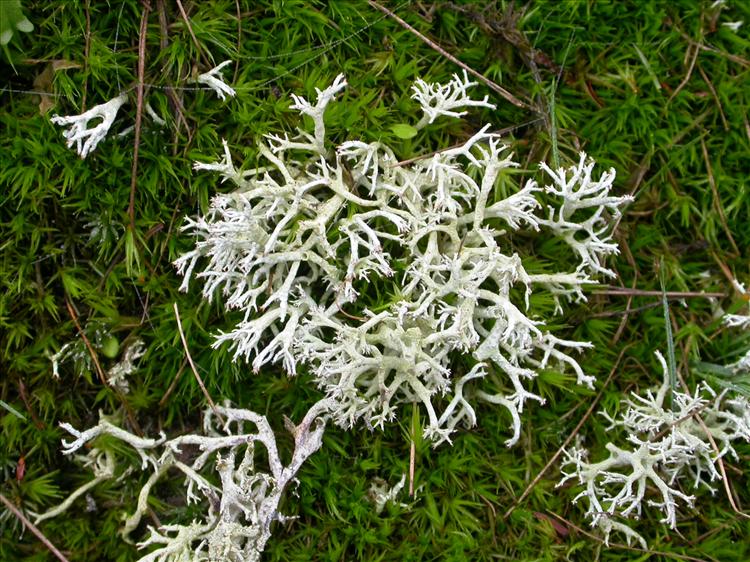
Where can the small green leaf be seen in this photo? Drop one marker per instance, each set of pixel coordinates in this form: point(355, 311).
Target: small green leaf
point(110, 347)
point(404, 131)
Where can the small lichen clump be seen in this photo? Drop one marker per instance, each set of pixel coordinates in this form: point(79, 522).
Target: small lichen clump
point(91, 127)
point(242, 504)
point(669, 441)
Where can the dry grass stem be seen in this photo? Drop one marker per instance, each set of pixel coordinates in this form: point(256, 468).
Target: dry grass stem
point(570, 437)
point(33, 528)
point(717, 199)
point(192, 364)
point(492, 85)
point(624, 291)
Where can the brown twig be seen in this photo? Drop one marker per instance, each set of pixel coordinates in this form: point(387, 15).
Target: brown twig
point(189, 27)
point(138, 112)
point(628, 310)
point(25, 398)
point(173, 384)
point(624, 321)
point(351, 316)
point(725, 270)
point(624, 546)
point(86, 51)
point(239, 40)
point(690, 414)
point(173, 97)
point(699, 539)
point(412, 454)
point(33, 528)
point(161, 13)
point(712, 49)
point(87, 343)
point(715, 96)
point(624, 291)
point(570, 437)
point(719, 459)
point(192, 365)
point(685, 80)
point(631, 261)
point(99, 370)
point(717, 200)
point(492, 85)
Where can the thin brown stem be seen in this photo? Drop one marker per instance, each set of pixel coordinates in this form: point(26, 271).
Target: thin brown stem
point(189, 27)
point(715, 96)
point(138, 112)
point(624, 546)
point(239, 40)
point(717, 199)
point(685, 80)
point(711, 49)
point(624, 291)
point(192, 365)
point(492, 85)
point(173, 384)
point(412, 453)
point(98, 367)
point(86, 51)
point(33, 528)
point(570, 437)
point(628, 311)
point(87, 343)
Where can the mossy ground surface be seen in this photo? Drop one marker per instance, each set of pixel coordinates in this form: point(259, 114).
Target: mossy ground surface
point(658, 90)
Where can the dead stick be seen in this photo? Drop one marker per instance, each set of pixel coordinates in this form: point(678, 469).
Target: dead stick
point(715, 96)
point(189, 27)
point(33, 528)
point(717, 199)
point(86, 51)
point(87, 343)
point(669, 294)
point(687, 76)
point(570, 437)
point(138, 112)
point(412, 454)
point(192, 365)
point(100, 371)
point(624, 546)
point(173, 384)
point(492, 85)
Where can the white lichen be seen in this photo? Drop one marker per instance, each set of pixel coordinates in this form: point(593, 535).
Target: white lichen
point(301, 236)
point(444, 100)
point(669, 445)
point(85, 136)
point(102, 464)
point(243, 499)
point(118, 374)
point(214, 81)
point(381, 493)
